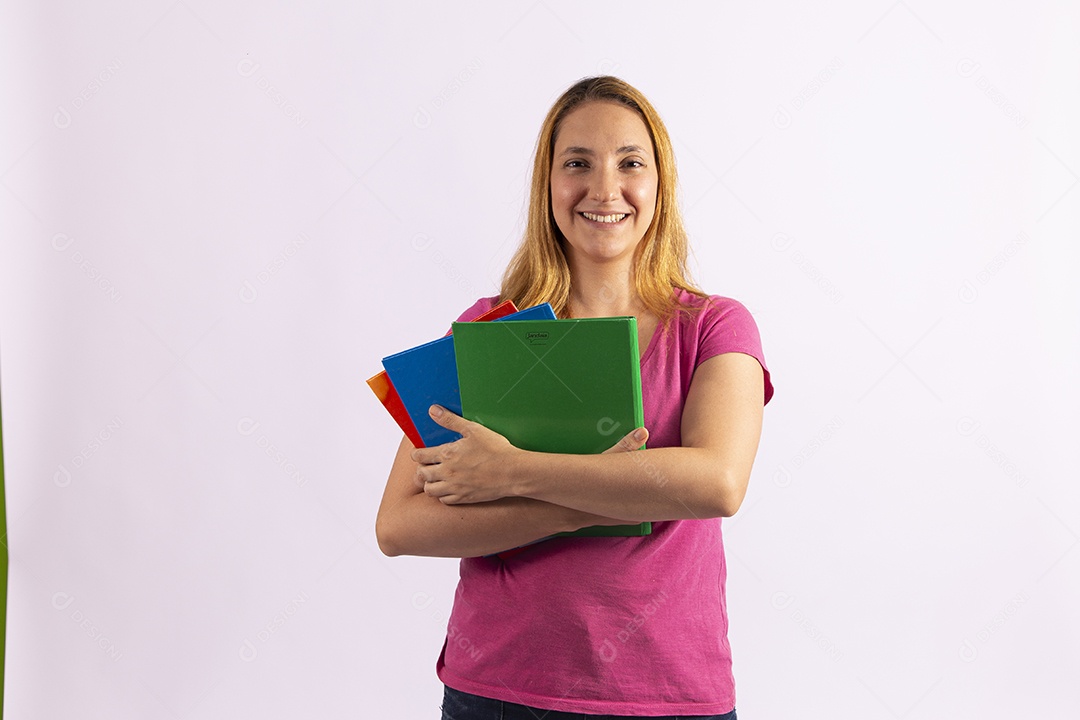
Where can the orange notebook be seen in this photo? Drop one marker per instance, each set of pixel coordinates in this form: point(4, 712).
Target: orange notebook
point(384, 389)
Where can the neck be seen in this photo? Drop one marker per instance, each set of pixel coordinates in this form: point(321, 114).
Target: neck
point(603, 290)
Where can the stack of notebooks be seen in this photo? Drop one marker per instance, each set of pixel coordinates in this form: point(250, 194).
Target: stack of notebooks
point(561, 386)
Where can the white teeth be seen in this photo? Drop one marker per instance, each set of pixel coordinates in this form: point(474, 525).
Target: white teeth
point(604, 218)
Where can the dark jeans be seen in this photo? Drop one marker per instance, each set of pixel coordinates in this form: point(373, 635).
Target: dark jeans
point(459, 705)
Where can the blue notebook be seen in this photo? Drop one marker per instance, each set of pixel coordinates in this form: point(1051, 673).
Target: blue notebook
point(426, 375)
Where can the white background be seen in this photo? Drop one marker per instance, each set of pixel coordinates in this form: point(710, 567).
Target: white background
point(217, 219)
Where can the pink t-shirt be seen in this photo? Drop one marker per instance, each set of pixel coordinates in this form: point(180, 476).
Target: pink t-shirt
point(617, 626)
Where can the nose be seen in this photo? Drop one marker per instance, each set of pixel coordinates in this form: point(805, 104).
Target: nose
point(606, 185)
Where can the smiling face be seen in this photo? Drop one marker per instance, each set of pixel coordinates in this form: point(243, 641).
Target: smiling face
point(603, 182)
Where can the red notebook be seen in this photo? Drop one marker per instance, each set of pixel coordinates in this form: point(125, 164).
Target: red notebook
point(384, 389)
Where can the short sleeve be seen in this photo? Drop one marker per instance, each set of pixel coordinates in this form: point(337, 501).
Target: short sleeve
point(478, 308)
point(725, 325)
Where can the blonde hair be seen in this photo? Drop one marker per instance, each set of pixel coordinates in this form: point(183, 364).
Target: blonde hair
point(539, 272)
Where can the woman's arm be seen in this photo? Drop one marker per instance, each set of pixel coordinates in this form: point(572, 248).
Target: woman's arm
point(412, 523)
point(706, 477)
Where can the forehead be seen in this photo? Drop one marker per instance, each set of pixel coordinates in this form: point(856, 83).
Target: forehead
point(602, 125)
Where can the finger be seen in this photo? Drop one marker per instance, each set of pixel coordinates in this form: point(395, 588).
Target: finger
point(448, 419)
point(435, 489)
point(423, 476)
point(426, 456)
point(631, 441)
point(436, 454)
point(443, 494)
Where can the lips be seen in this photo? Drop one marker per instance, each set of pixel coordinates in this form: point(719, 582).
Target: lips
point(609, 218)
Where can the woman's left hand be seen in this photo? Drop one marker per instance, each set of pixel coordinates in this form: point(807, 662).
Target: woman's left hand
point(473, 469)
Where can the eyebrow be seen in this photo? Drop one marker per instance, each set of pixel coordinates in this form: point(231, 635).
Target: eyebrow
point(575, 150)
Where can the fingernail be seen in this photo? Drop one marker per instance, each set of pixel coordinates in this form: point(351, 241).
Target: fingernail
point(435, 411)
point(639, 434)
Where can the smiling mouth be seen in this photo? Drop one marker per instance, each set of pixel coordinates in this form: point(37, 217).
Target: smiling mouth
point(614, 218)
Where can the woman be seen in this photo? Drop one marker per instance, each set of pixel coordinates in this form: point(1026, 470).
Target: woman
point(597, 627)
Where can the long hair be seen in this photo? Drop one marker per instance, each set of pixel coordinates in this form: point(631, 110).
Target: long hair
point(539, 272)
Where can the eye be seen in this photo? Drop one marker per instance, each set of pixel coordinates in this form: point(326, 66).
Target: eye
point(575, 164)
point(633, 164)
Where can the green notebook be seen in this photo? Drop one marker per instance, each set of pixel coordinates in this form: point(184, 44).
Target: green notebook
point(563, 386)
